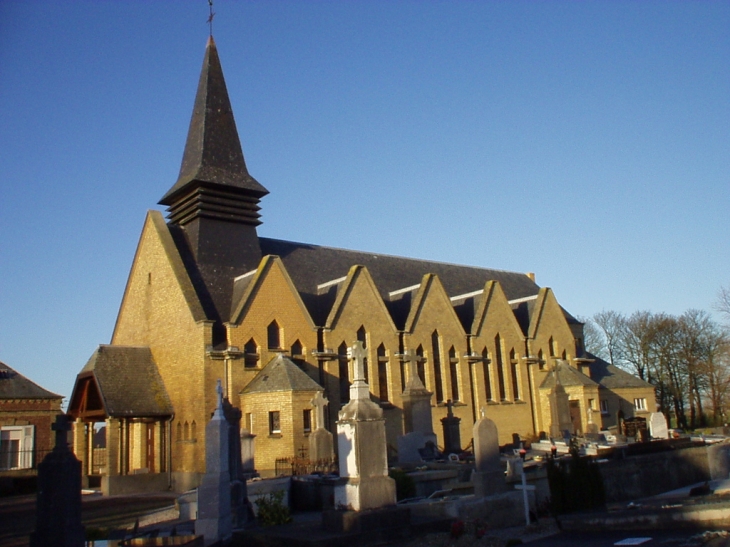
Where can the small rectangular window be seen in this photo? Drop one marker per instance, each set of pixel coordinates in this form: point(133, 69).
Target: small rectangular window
point(248, 422)
point(640, 403)
point(592, 404)
point(604, 406)
point(274, 423)
point(16, 447)
point(307, 419)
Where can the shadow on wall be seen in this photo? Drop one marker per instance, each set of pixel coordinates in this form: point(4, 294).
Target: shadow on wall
point(637, 477)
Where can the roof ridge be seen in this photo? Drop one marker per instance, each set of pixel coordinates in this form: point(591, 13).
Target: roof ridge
point(398, 257)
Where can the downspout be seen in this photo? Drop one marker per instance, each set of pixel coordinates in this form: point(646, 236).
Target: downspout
point(168, 456)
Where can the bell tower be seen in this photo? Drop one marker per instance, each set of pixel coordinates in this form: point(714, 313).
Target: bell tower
point(215, 201)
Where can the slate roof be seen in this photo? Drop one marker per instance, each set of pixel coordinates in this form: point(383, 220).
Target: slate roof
point(281, 374)
point(129, 381)
point(14, 385)
point(569, 376)
point(213, 154)
point(612, 377)
point(312, 265)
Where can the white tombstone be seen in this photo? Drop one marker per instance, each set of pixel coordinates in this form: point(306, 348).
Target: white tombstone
point(364, 481)
point(658, 426)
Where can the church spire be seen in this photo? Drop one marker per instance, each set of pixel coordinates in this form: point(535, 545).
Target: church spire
point(214, 205)
point(213, 180)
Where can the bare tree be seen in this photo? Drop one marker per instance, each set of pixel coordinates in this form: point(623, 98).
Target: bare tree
point(723, 302)
point(593, 339)
point(613, 326)
point(636, 344)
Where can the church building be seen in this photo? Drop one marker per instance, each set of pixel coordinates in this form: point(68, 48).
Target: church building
point(208, 299)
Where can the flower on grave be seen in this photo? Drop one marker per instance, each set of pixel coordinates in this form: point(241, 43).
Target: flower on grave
point(457, 528)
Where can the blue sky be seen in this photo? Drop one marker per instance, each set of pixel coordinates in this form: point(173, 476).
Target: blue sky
point(588, 142)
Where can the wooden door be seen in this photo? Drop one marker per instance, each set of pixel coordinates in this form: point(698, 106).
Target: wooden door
point(151, 447)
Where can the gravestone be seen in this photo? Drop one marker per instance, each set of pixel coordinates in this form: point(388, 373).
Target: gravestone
point(58, 504)
point(239, 494)
point(321, 445)
point(452, 432)
point(214, 521)
point(488, 474)
point(560, 422)
point(417, 416)
point(658, 426)
point(248, 465)
point(364, 482)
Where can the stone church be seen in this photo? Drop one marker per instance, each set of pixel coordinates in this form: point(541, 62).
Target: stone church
point(209, 299)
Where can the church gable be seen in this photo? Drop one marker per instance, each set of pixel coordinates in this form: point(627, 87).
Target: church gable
point(358, 299)
point(494, 313)
point(159, 290)
point(431, 307)
point(549, 332)
point(359, 313)
point(268, 319)
point(434, 331)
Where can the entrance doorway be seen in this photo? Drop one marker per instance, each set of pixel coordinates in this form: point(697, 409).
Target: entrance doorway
point(575, 417)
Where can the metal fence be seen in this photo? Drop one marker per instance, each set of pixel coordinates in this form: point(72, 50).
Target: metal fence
point(298, 465)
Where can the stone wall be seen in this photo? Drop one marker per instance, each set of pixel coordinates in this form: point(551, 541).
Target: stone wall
point(641, 476)
point(134, 484)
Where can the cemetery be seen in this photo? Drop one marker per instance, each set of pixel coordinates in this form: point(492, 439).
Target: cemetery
point(371, 499)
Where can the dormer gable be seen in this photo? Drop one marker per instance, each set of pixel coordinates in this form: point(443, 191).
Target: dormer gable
point(249, 286)
point(494, 309)
point(431, 293)
point(358, 281)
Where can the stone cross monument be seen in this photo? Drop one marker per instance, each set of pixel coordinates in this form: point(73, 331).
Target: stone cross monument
point(214, 493)
point(452, 430)
point(559, 407)
point(58, 505)
point(364, 482)
point(321, 445)
point(416, 414)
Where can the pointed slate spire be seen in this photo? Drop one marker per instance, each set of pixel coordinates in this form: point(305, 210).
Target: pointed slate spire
point(213, 180)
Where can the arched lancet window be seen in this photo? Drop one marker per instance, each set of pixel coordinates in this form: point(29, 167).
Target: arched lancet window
point(251, 354)
point(438, 380)
point(541, 360)
point(362, 336)
point(273, 335)
point(344, 371)
point(297, 353)
point(180, 432)
point(499, 366)
point(552, 347)
point(487, 377)
point(193, 431)
point(382, 373)
point(514, 365)
point(454, 372)
point(186, 431)
point(421, 364)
